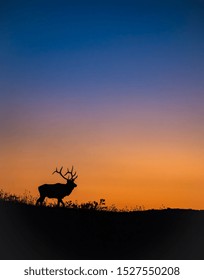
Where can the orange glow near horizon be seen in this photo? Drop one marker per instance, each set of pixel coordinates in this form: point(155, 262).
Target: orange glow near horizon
point(143, 158)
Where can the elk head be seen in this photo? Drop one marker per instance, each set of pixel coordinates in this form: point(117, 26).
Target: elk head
point(58, 190)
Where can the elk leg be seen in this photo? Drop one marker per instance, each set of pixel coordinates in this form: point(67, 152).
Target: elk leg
point(60, 201)
point(40, 200)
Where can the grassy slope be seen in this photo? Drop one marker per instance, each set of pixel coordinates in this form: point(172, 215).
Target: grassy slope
point(29, 232)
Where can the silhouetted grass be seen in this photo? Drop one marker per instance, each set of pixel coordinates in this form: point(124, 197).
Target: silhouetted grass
point(26, 198)
point(100, 205)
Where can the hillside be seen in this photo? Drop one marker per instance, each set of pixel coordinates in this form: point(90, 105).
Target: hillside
point(29, 232)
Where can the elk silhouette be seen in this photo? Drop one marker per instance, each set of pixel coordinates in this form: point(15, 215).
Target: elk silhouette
point(58, 190)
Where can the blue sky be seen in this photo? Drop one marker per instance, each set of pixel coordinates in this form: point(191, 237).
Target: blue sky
point(142, 44)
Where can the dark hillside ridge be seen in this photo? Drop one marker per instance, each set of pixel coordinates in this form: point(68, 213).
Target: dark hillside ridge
point(30, 232)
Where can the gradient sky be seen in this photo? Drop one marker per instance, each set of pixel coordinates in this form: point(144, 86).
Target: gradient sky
point(114, 88)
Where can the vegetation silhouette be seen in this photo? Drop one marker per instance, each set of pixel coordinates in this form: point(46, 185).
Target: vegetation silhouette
point(58, 190)
point(92, 231)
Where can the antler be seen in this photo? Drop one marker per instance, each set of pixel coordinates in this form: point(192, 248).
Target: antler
point(73, 175)
point(60, 172)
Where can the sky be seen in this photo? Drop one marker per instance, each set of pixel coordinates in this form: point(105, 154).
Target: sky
point(114, 88)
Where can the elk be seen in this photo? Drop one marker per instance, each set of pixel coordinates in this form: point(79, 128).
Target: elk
point(58, 190)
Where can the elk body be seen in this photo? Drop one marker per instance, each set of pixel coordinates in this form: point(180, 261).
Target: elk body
point(58, 190)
